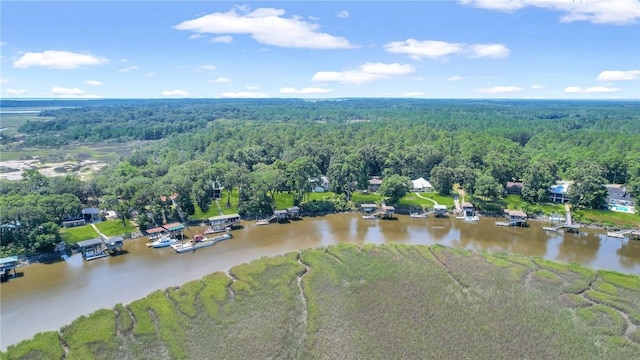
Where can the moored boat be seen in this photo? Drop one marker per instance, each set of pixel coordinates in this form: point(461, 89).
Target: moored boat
point(199, 242)
point(162, 242)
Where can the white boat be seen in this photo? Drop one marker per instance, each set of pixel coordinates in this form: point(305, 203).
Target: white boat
point(472, 218)
point(416, 215)
point(199, 242)
point(163, 242)
point(262, 222)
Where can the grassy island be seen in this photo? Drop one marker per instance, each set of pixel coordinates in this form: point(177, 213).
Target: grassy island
point(375, 302)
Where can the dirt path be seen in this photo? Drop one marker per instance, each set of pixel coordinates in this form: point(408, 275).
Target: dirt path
point(422, 197)
point(98, 231)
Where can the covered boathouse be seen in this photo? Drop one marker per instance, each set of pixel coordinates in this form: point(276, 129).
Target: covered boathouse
point(6, 265)
point(98, 248)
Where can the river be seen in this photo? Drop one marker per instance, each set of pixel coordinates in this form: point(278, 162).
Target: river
point(48, 296)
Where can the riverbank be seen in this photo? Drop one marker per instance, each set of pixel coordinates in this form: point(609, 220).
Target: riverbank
point(312, 303)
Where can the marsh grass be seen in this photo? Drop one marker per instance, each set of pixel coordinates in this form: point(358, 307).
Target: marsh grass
point(43, 346)
point(369, 302)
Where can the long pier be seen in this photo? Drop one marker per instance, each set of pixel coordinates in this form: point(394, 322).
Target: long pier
point(568, 225)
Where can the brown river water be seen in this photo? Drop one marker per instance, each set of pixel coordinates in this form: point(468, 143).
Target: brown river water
point(48, 296)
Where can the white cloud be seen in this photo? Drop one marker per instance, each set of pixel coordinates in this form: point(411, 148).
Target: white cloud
point(614, 75)
point(195, 36)
point(54, 59)
point(174, 93)
point(433, 49)
point(94, 82)
point(225, 39)
point(417, 49)
point(207, 67)
point(500, 90)
point(56, 90)
point(455, 78)
point(5, 81)
point(304, 91)
point(149, 74)
point(128, 68)
point(536, 87)
point(72, 93)
point(252, 87)
point(365, 73)
point(221, 79)
point(15, 91)
point(266, 26)
point(590, 90)
point(344, 14)
point(595, 11)
point(242, 94)
point(497, 51)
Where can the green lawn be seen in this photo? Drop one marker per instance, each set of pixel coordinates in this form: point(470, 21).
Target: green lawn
point(75, 234)
point(607, 218)
point(357, 197)
point(283, 200)
point(114, 227)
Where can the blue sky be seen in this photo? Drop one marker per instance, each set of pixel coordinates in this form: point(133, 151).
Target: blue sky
point(570, 49)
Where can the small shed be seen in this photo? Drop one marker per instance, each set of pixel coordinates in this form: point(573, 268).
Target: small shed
point(92, 249)
point(175, 229)
point(294, 212)
point(440, 210)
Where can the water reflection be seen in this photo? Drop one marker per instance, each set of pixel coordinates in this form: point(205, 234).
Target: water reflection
point(49, 296)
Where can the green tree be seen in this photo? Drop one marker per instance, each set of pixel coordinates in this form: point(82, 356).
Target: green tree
point(442, 178)
point(394, 187)
point(588, 188)
point(487, 187)
point(539, 176)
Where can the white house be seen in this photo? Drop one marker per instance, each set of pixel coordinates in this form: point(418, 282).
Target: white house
point(319, 184)
point(421, 185)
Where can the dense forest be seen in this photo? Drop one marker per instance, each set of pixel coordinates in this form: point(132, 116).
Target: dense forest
point(261, 147)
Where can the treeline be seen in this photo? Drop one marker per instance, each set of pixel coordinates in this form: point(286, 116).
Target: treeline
point(261, 147)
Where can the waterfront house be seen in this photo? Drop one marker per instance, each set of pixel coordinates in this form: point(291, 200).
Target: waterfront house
point(619, 200)
point(91, 215)
point(514, 187)
point(319, 184)
point(558, 193)
point(374, 184)
point(421, 185)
